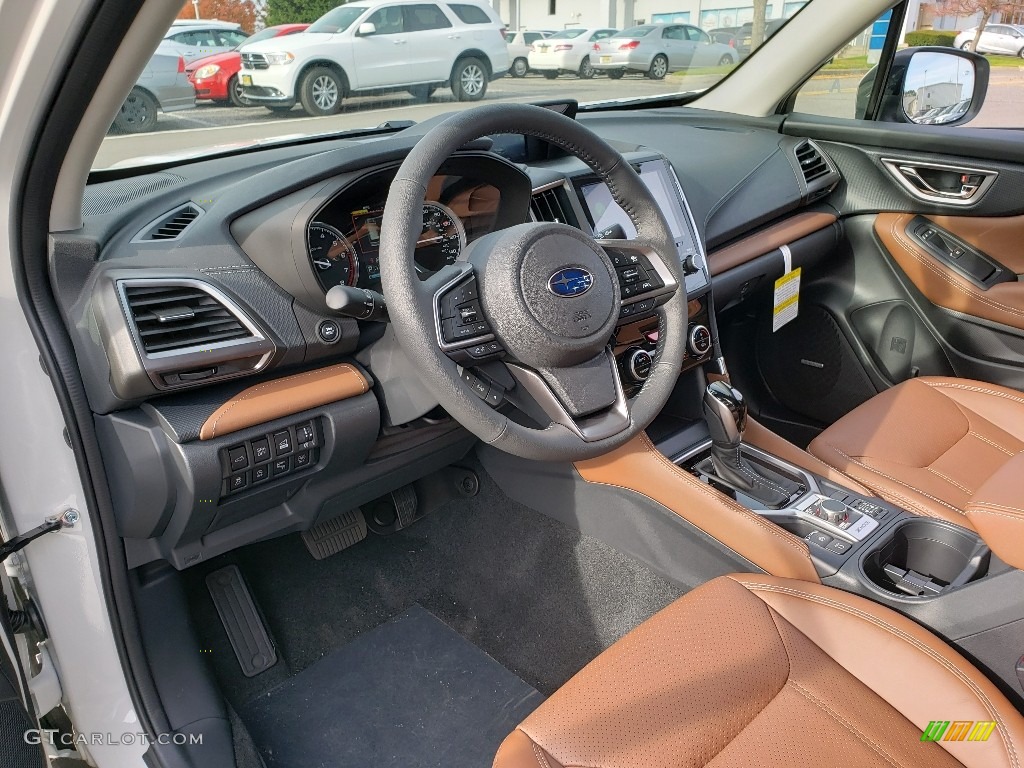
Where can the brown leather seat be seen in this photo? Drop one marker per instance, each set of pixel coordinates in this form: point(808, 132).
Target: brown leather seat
point(757, 670)
point(929, 444)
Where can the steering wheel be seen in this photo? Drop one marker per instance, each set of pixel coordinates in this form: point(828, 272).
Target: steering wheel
point(543, 295)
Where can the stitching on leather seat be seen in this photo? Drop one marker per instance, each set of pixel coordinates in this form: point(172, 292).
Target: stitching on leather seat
point(1012, 513)
point(986, 702)
point(877, 748)
point(539, 754)
point(744, 512)
point(880, 473)
point(982, 390)
point(950, 480)
point(993, 443)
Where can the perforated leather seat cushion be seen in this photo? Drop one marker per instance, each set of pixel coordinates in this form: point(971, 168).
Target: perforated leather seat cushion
point(757, 670)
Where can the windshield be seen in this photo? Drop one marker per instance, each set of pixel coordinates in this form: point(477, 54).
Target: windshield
point(422, 59)
point(338, 20)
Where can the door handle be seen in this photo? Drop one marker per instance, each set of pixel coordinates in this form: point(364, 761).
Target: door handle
point(454, 37)
point(399, 42)
point(919, 178)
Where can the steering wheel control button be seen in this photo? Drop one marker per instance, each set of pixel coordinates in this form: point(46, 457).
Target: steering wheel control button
point(485, 351)
point(480, 389)
point(700, 340)
point(329, 331)
point(238, 458)
point(282, 443)
point(819, 538)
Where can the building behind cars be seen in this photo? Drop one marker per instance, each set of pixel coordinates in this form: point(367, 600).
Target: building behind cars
point(376, 46)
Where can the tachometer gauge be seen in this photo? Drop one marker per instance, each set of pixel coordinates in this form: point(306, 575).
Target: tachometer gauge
point(333, 257)
point(442, 239)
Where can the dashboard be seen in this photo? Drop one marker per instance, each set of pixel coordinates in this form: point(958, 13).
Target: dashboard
point(228, 314)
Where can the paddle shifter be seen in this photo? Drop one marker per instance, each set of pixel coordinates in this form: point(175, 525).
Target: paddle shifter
point(726, 414)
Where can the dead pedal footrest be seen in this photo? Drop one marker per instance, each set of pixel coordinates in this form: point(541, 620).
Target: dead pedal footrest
point(331, 537)
point(242, 621)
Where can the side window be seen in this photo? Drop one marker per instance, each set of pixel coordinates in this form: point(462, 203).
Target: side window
point(600, 35)
point(843, 86)
point(231, 37)
point(422, 18)
point(470, 14)
point(698, 35)
point(388, 21)
point(673, 33)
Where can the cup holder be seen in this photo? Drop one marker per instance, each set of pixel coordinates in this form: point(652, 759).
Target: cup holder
point(923, 558)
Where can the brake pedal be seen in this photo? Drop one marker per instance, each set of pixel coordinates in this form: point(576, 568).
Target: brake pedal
point(242, 621)
point(334, 535)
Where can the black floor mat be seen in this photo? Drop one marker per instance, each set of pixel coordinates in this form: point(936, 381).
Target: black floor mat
point(411, 692)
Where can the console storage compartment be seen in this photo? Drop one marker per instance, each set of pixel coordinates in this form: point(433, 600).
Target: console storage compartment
point(923, 558)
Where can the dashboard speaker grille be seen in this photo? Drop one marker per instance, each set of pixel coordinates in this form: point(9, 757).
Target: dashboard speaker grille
point(174, 317)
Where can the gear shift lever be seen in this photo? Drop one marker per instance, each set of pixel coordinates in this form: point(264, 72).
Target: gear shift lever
point(726, 414)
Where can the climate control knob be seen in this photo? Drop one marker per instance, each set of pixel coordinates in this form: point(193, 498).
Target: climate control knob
point(700, 340)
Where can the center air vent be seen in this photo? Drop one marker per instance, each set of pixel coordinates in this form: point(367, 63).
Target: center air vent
point(171, 225)
point(178, 316)
point(546, 205)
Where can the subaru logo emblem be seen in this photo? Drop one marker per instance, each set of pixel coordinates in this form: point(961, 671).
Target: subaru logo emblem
point(570, 282)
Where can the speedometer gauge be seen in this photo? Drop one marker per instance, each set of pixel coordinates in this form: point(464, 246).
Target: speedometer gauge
point(333, 256)
point(442, 239)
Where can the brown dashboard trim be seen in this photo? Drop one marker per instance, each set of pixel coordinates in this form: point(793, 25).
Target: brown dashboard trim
point(1002, 303)
point(638, 466)
point(768, 240)
point(284, 397)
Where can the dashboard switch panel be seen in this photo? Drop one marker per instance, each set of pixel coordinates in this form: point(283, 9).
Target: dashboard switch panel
point(271, 456)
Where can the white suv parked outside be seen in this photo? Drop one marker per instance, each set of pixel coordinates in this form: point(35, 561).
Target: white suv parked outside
point(379, 45)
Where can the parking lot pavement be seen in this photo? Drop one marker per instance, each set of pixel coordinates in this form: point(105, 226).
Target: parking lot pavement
point(208, 124)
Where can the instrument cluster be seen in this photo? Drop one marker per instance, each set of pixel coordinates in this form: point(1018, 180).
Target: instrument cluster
point(343, 239)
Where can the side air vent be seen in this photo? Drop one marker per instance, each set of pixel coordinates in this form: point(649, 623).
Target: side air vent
point(174, 317)
point(546, 205)
point(812, 162)
point(171, 225)
point(819, 173)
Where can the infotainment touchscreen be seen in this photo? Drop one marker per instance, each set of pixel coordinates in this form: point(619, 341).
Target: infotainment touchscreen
point(606, 213)
point(610, 221)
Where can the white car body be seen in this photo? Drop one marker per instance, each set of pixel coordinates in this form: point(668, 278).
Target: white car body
point(658, 49)
point(567, 50)
point(384, 60)
point(1007, 39)
point(519, 45)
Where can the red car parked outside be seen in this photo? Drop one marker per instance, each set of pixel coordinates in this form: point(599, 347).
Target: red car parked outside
point(216, 77)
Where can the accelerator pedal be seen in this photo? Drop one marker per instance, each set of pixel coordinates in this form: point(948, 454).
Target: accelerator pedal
point(334, 535)
point(242, 621)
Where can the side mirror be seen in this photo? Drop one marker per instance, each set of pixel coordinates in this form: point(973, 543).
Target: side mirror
point(366, 29)
point(935, 86)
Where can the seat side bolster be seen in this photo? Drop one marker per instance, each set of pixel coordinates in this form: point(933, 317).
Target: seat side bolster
point(884, 650)
point(997, 512)
point(520, 751)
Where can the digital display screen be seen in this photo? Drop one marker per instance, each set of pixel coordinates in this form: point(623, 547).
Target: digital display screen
point(366, 235)
point(607, 214)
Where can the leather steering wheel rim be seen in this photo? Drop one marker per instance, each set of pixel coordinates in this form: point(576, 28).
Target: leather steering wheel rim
point(411, 301)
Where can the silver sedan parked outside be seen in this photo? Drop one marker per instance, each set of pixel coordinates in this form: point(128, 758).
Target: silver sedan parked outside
point(657, 49)
point(163, 86)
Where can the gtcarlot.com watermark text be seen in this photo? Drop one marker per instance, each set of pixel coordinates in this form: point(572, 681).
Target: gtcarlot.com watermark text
point(69, 740)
